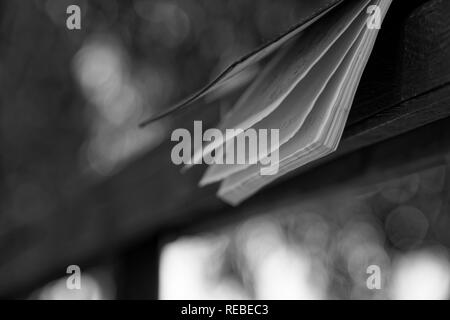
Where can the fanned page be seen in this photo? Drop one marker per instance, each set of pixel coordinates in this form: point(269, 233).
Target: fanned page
point(319, 9)
point(323, 127)
point(305, 146)
point(307, 137)
point(282, 75)
point(293, 111)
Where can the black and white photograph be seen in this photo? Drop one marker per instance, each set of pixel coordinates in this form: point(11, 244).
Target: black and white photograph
point(217, 156)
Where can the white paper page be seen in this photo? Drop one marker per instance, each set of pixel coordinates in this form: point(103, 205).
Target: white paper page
point(320, 9)
point(281, 77)
point(292, 112)
point(311, 131)
point(234, 190)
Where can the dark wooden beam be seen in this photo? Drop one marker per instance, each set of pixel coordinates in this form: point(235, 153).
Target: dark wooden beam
point(411, 57)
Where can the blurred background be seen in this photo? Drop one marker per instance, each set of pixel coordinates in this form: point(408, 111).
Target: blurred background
point(72, 99)
point(70, 104)
point(325, 248)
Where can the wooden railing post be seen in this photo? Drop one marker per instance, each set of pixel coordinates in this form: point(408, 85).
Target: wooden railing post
point(137, 271)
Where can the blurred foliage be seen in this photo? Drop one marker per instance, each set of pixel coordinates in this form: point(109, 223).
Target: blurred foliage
point(54, 112)
point(322, 248)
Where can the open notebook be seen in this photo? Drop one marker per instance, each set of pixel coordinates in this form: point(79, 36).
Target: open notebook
point(299, 102)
